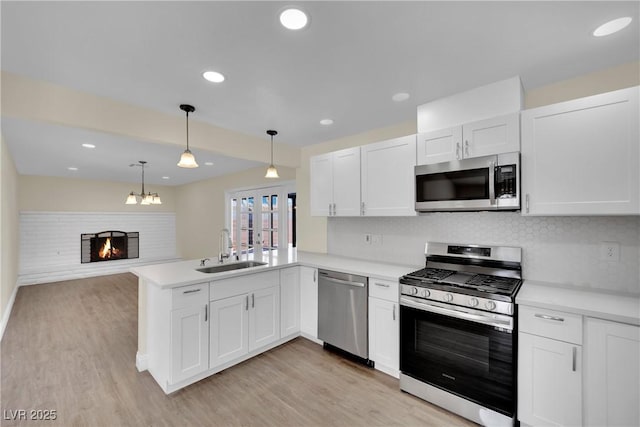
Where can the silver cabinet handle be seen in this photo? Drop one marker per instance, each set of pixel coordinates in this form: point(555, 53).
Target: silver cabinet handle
point(246, 307)
point(394, 312)
point(192, 291)
point(344, 282)
point(526, 202)
point(458, 150)
point(362, 208)
point(384, 285)
point(492, 183)
point(253, 300)
point(574, 357)
point(466, 148)
point(315, 272)
point(334, 209)
point(547, 317)
point(206, 312)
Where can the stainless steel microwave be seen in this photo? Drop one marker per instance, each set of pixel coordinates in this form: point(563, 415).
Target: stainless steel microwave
point(478, 184)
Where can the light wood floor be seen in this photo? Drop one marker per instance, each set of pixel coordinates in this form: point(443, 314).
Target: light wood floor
point(71, 347)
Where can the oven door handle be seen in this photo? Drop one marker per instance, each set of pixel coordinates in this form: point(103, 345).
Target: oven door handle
point(505, 323)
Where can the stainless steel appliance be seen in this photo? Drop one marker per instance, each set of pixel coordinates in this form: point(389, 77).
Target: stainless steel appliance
point(476, 184)
point(343, 311)
point(457, 329)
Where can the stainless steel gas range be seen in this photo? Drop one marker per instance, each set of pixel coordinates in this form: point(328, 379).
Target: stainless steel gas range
point(457, 330)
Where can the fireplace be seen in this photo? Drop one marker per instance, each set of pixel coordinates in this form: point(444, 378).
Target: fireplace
point(109, 246)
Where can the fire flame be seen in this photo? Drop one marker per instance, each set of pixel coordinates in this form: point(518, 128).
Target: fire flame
point(107, 251)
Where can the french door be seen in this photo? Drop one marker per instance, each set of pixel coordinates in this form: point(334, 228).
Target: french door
point(258, 220)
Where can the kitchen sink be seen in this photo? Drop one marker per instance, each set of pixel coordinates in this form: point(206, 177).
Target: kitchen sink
point(229, 267)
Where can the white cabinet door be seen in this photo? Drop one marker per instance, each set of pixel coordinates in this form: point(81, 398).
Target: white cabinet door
point(346, 182)
point(289, 301)
point(321, 184)
point(492, 136)
point(439, 146)
point(228, 329)
point(549, 382)
point(612, 373)
point(189, 342)
point(581, 157)
point(309, 302)
point(264, 317)
point(387, 177)
point(384, 335)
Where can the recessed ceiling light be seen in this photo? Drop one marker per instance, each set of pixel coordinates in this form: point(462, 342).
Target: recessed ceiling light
point(612, 26)
point(72, 168)
point(88, 146)
point(400, 96)
point(326, 122)
point(213, 76)
point(293, 19)
point(165, 177)
point(208, 163)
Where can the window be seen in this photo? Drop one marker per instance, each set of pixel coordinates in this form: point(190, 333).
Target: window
point(261, 219)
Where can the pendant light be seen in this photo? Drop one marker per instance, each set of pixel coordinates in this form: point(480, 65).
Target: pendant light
point(272, 172)
point(186, 159)
point(145, 199)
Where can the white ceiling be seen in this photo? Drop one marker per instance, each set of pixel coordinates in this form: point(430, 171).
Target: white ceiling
point(345, 66)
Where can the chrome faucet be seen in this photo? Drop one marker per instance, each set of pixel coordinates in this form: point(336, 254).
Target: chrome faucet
point(202, 261)
point(224, 245)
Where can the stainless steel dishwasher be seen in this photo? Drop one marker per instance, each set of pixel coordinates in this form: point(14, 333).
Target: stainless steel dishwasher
point(343, 311)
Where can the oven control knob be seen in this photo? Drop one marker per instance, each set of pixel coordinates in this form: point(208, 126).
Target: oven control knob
point(414, 291)
point(425, 293)
point(448, 297)
point(490, 305)
point(473, 302)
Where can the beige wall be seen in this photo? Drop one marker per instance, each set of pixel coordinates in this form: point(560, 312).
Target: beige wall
point(620, 77)
point(55, 194)
point(8, 227)
point(200, 208)
point(312, 231)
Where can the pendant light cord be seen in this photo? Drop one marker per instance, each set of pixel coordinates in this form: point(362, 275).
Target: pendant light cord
point(187, 122)
point(272, 149)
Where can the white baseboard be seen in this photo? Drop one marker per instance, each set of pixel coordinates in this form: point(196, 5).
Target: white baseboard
point(311, 338)
point(7, 311)
point(142, 362)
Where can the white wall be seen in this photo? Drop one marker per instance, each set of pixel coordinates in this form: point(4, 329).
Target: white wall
point(563, 250)
point(50, 242)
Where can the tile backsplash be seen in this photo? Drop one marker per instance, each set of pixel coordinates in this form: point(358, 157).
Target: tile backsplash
point(564, 250)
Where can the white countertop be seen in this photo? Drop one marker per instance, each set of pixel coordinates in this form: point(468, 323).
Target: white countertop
point(587, 302)
point(183, 273)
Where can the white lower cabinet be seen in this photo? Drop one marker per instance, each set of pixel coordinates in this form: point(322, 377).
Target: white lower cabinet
point(289, 301)
point(190, 341)
point(549, 368)
point(229, 319)
point(612, 373)
point(264, 317)
point(384, 326)
point(309, 302)
point(245, 316)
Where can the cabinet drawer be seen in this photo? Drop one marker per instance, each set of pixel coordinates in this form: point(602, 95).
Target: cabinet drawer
point(385, 289)
point(191, 295)
point(246, 283)
point(551, 324)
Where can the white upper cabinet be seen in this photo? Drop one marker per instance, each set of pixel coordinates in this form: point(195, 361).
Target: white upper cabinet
point(387, 177)
point(335, 183)
point(581, 157)
point(481, 138)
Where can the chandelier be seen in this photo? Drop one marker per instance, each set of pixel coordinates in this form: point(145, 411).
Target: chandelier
point(145, 199)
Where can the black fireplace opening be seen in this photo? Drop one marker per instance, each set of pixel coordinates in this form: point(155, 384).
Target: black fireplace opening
point(109, 246)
